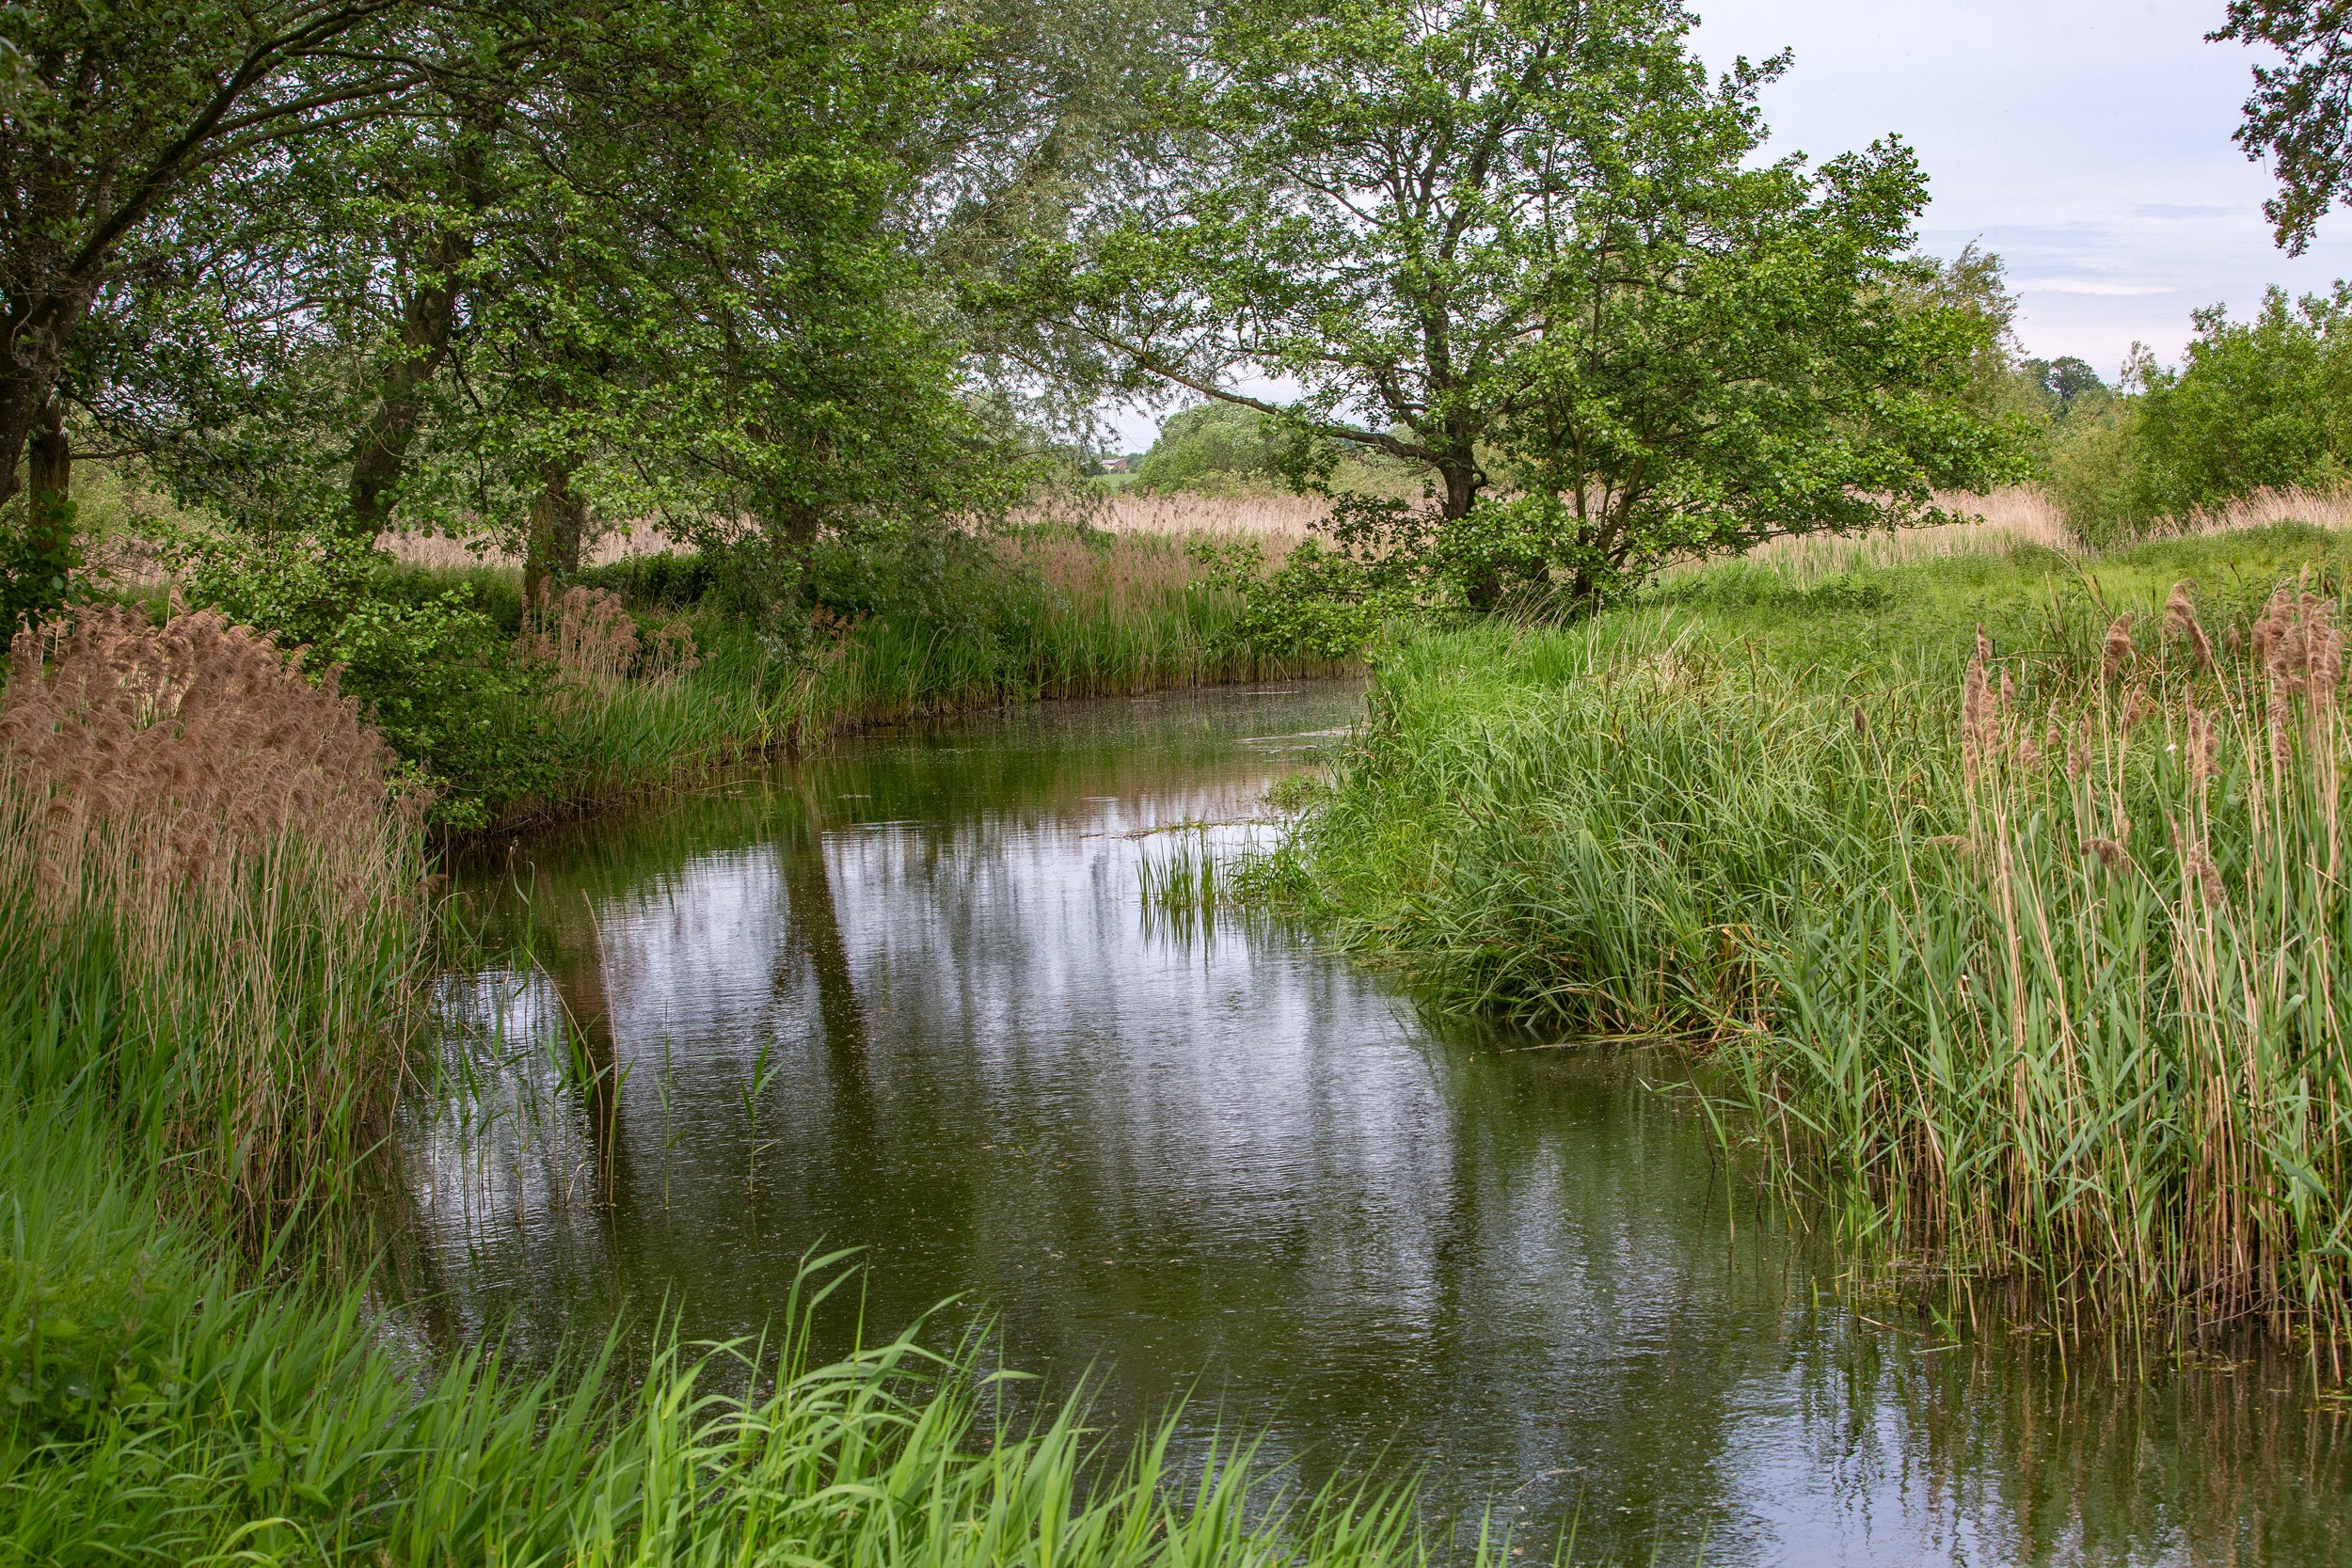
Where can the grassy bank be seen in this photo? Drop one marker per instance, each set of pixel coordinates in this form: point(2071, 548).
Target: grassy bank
point(653, 667)
point(212, 933)
point(2023, 951)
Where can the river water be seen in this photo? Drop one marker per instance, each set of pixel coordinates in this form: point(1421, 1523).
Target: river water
point(908, 997)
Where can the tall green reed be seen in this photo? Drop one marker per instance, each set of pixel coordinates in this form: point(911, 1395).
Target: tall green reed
point(2032, 967)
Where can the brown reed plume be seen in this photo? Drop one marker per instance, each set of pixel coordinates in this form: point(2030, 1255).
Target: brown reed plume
point(589, 637)
point(204, 734)
point(191, 826)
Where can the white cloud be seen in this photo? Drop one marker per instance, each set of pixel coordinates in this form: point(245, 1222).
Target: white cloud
point(2087, 141)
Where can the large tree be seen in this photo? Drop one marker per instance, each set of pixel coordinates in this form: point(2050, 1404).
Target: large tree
point(1528, 245)
point(115, 112)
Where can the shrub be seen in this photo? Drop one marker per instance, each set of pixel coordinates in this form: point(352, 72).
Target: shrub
point(1217, 448)
point(2264, 403)
point(432, 670)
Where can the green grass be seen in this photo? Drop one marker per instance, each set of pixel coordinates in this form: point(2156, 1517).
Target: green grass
point(194, 1069)
point(1054, 613)
point(165, 1408)
point(2038, 999)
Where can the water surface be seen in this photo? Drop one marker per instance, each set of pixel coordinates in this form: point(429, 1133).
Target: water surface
point(908, 997)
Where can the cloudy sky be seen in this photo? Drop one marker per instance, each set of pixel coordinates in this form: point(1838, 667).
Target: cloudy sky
point(2085, 141)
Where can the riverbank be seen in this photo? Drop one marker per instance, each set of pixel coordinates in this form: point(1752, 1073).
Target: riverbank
point(213, 941)
point(2007, 946)
point(647, 670)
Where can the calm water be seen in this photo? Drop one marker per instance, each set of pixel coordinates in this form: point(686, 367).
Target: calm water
point(908, 997)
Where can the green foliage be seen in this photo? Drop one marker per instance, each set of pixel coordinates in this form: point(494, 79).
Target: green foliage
point(2263, 403)
point(2300, 113)
point(2267, 403)
point(1569, 265)
point(430, 666)
point(1214, 448)
point(40, 550)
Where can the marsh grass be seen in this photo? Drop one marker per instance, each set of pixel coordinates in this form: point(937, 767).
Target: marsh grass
point(211, 929)
point(212, 861)
point(2020, 953)
point(166, 1409)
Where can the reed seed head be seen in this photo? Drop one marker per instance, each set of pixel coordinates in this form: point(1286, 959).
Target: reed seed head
point(2117, 653)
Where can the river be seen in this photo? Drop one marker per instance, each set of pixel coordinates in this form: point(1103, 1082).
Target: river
point(907, 997)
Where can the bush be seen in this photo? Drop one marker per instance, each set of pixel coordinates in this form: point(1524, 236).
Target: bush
point(2264, 403)
point(1216, 449)
point(430, 665)
point(672, 578)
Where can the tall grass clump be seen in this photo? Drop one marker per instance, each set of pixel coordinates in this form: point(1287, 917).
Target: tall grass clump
point(2095, 1031)
point(2029, 959)
point(211, 880)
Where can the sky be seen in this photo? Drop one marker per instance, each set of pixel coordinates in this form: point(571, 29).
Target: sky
point(2085, 142)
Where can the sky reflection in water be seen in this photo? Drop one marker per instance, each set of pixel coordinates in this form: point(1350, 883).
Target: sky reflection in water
point(1221, 1162)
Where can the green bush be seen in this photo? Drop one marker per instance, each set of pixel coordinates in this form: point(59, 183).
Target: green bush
point(431, 664)
point(1217, 448)
point(2264, 403)
point(672, 578)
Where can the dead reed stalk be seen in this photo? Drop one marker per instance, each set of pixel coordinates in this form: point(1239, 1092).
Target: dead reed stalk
point(191, 828)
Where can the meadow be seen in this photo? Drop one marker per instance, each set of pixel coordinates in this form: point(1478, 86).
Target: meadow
point(1996, 886)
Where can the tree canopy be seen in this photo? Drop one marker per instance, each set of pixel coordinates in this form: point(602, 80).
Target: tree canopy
point(1526, 245)
point(2299, 114)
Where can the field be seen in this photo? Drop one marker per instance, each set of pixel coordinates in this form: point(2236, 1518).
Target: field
point(1998, 888)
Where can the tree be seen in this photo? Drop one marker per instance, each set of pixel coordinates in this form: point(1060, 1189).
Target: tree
point(2261, 404)
point(1523, 245)
point(2065, 379)
point(2300, 113)
point(114, 111)
point(1212, 444)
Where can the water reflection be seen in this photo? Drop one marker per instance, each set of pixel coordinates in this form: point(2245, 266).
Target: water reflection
point(906, 997)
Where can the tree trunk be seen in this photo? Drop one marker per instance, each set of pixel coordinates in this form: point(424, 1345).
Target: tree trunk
point(380, 452)
point(49, 506)
point(1483, 589)
point(48, 456)
point(559, 516)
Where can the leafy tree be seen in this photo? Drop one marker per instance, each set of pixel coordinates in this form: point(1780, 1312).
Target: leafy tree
point(2300, 112)
point(2261, 404)
point(1525, 243)
point(115, 112)
point(2065, 379)
point(1212, 445)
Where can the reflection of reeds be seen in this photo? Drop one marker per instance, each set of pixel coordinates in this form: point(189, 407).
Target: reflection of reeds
point(209, 848)
point(1187, 879)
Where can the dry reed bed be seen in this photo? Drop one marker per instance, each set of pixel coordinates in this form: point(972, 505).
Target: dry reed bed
point(199, 840)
